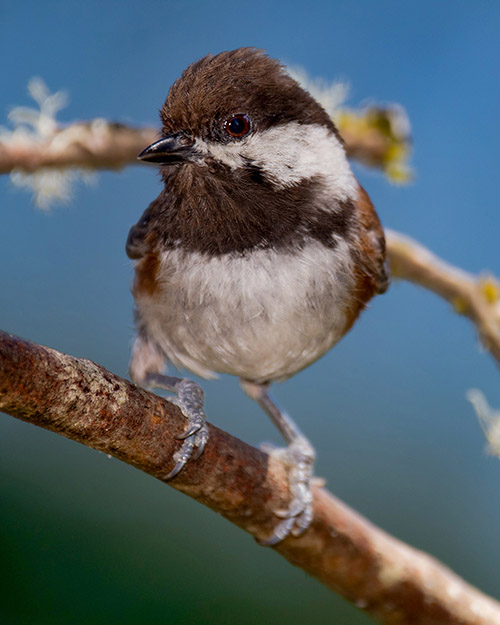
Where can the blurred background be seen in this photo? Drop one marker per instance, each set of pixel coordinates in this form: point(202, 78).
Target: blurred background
point(87, 539)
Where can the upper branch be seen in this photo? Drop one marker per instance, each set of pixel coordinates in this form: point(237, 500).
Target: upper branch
point(100, 144)
point(96, 144)
point(83, 401)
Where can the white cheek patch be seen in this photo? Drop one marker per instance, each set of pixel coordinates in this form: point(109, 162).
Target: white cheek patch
point(289, 154)
point(228, 153)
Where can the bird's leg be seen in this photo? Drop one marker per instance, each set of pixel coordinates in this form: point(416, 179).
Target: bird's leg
point(145, 366)
point(189, 398)
point(299, 456)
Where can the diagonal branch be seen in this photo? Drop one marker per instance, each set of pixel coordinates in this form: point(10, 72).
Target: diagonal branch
point(478, 298)
point(83, 401)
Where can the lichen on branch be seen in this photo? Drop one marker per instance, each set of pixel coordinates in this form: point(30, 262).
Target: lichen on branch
point(49, 158)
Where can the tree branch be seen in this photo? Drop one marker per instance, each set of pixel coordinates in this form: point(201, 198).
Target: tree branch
point(96, 144)
point(83, 401)
point(478, 298)
point(100, 144)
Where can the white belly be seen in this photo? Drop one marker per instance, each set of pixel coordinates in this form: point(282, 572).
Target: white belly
point(263, 316)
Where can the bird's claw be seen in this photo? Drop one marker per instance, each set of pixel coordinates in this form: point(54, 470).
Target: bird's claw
point(291, 526)
point(189, 398)
point(296, 507)
point(192, 430)
point(177, 469)
point(192, 448)
point(299, 456)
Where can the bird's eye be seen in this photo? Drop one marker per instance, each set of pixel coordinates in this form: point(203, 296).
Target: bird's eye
point(237, 126)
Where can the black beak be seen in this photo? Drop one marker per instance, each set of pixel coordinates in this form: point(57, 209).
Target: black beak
point(173, 149)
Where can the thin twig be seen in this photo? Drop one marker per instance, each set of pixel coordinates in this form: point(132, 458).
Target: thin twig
point(476, 297)
point(83, 401)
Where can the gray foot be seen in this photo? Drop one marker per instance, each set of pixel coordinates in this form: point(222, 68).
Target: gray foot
point(299, 457)
point(189, 398)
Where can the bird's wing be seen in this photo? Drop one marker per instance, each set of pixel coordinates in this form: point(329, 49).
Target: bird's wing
point(373, 257)
point(137, 245)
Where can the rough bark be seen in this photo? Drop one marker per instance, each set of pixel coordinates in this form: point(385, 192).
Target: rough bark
point(74, 397)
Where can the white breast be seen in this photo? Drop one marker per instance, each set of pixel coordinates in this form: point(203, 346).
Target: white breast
point(262, 316)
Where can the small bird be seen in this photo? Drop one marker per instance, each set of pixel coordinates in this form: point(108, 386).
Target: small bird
point(259, 253)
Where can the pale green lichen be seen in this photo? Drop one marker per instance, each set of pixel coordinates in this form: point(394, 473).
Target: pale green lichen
point(490, 288)
point(489, 420)
point(391, 573)
point(388, 126)
point(36, 124)
point(331, 96)
point(32, 125)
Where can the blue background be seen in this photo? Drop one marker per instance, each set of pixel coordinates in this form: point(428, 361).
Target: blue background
point(86, 539)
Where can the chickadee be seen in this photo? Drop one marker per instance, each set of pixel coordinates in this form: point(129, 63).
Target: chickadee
point(259, 253)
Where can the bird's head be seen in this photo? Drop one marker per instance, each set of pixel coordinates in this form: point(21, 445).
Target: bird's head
point(240, 111)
